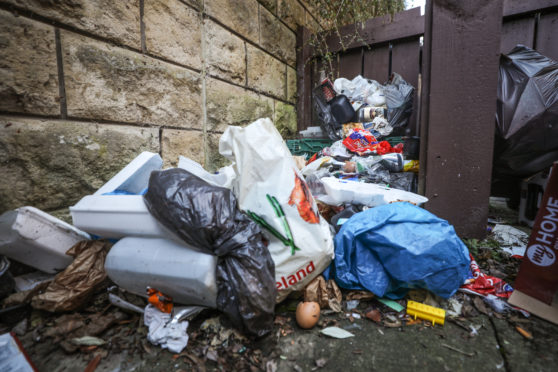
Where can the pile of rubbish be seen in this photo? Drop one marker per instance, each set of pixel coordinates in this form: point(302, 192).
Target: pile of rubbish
point(382, 109)
point(258, 231)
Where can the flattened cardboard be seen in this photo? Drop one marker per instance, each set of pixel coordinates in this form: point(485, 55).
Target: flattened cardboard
point(539, 308)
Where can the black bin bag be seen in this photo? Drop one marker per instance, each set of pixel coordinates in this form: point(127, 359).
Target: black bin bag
point(207, 217)
point(527, 114)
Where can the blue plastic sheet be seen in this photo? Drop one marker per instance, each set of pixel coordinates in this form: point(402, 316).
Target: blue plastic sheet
point(392, 248)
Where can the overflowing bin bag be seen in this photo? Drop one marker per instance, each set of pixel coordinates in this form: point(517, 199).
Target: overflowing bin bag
point(271, 189)
point(207, 217)
point(394, 247)
point(399, 101)
point(526, 114)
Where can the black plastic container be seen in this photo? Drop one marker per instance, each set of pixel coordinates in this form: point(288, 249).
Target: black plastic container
point(341, 109)
point(411, 148)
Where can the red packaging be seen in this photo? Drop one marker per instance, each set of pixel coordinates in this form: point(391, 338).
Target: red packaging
point(485, 284)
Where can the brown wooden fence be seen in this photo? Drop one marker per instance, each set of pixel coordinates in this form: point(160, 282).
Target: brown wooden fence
point(455, 74)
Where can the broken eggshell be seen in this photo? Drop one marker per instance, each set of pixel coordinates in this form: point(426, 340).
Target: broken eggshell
point(307, 314)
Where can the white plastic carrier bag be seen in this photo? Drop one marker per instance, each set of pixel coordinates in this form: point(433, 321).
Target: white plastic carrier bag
point(272, 191)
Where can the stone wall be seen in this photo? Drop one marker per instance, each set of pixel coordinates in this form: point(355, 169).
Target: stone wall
point(86, 85)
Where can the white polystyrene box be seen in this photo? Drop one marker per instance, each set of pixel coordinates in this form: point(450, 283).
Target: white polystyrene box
point(134, 177)
point(37, 239)
point(117, 216)
point(176, 269)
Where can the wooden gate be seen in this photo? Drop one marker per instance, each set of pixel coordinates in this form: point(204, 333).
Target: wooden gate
point(456, 75)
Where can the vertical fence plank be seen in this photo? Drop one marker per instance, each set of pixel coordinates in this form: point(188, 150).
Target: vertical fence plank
point(464, 42)
point(350, 63)
point(517, 31)
point(376, 63)
point(547, 35)
point(405, 60)
point(303, 78)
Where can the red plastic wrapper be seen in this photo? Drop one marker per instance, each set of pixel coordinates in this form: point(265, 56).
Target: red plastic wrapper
point(362, 142)
point(485, 284)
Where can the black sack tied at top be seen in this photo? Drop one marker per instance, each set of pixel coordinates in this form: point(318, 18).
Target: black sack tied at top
point(207, 217)
point(526, 140)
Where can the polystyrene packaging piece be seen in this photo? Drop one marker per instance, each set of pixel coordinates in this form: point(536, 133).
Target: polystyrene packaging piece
point(134, 177)
point(369, 194)
point(176, 269)
point(116, 216)
point(37, 239)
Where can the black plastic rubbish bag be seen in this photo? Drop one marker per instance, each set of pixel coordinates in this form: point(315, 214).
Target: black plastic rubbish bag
point(207, 217)
point(526, 114)
point(399, 102)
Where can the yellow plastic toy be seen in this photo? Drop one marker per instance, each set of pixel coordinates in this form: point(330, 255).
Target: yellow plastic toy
point(422, 311)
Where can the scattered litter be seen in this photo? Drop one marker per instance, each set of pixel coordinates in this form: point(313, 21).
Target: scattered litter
point(426, 312)
point(163, 332)
point(320, 363)
point(29, 281)
point(511, 239)
point(391, 304)
point(524, 333)
point(336, 332)
point(480, 283)
point(117, 301)
point(352, 304)
point(374, 315)
point(459, 351)
point(88, 341)
point(13, 355)
point(307, 314)
point(359, 295)
point(326, 294)
point(497, 304)
point(454, 307)
point(72, 287)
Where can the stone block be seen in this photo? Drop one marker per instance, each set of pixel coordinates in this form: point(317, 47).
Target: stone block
point(270, 5)
point(266, 73)
point(292, 13)
point(173, 31)
point(51, 164)
point(239, 15)
point(277, 38)
point(28, 70)
point(213, 159)
point(176, 142)
point(118, 21)
point(225, 53)
point(311, 23)
point(111, 83)
point(291, 84)
point(285, 119)
point(231, 105)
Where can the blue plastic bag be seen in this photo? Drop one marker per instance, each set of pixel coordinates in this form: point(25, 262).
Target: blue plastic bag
point(392, 248)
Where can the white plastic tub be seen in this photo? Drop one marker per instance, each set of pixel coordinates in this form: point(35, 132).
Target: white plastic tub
point(177, 270)
point(37, 239)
